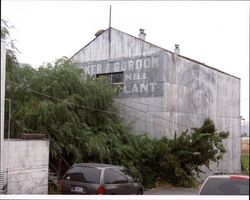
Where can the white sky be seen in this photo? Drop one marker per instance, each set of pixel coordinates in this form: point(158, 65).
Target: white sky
point(216, 33)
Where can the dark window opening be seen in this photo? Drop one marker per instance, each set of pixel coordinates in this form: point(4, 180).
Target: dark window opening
point(117, 78)
point(113, 78)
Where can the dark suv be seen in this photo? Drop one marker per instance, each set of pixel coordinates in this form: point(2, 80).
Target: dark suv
point(93, 178)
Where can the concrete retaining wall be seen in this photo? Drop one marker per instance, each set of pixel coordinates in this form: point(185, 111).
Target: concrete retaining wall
point(27, 164)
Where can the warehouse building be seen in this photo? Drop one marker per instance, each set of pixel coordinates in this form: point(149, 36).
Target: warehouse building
point(163, 92)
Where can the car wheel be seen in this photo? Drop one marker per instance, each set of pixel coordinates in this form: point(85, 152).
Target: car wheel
point(140, 192)
point(52, 186)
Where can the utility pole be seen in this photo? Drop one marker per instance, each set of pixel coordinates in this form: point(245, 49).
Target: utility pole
point(109, 31)
point(242, 126)
point(109, 16)
point(2, 91)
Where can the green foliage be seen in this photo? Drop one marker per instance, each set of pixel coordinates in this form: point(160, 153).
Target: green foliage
point(245, 164)
point(188, 152)
point(10, 43)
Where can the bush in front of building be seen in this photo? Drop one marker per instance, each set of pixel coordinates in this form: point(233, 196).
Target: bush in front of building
point(245, 164)
point(178, 161)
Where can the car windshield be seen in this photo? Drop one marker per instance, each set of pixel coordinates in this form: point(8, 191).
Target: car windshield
point(225, 186)
point(83, 174)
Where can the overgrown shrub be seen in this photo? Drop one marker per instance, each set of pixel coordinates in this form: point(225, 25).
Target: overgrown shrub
point(245, 164)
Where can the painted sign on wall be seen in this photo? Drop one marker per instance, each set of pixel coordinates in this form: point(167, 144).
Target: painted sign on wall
point(142, 76)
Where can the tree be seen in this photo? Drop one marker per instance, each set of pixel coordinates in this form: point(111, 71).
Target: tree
point(11, 59)
point(180, 159)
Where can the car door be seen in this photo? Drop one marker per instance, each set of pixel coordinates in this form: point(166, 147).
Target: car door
point(115, 181)
point(133, 186)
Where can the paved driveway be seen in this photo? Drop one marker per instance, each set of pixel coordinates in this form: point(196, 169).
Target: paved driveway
point(172, 191)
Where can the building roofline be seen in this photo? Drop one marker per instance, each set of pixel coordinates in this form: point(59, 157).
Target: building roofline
point(88, 44)
point(190, 59)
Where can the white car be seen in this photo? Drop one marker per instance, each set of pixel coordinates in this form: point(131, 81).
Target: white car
point(225, 185)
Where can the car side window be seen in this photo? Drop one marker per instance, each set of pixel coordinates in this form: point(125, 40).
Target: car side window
point(115, 176)
point(129, 176)
point(83, 174)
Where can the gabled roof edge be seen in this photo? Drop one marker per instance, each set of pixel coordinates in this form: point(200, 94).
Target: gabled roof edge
point(159, 48)
point(88, 44)
point(180, 55)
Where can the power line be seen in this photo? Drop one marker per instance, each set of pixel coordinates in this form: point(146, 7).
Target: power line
point(95, 109)
point(203, 127)
point(86, 107)
point(61, 156)
point(153, 115)
point(138, 118)
point(110, 112)
point(133, 108)
point(82, 106)
point(105, 111)
point(170, 110)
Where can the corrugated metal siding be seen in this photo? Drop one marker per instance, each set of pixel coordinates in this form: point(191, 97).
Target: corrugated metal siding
point(189, 88)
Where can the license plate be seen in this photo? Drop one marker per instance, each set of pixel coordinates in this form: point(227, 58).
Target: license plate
point(77, 189)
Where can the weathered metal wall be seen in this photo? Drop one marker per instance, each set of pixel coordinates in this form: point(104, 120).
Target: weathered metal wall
point(181, 95)
point(197, 92)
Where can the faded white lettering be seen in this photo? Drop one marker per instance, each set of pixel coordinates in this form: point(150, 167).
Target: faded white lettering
point(138, 64)
point(123, 66)
point(155, 62)
point(146, 63)
point(125, 90)
point(141, 88)
point(152, 85)
point(128, 76)
point(139, 73)
point(135, 88)
point(131, 65)
point(144, 87)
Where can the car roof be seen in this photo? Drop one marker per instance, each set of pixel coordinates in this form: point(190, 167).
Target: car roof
point(95, 165)
point(228, 179)
point(229, 176)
